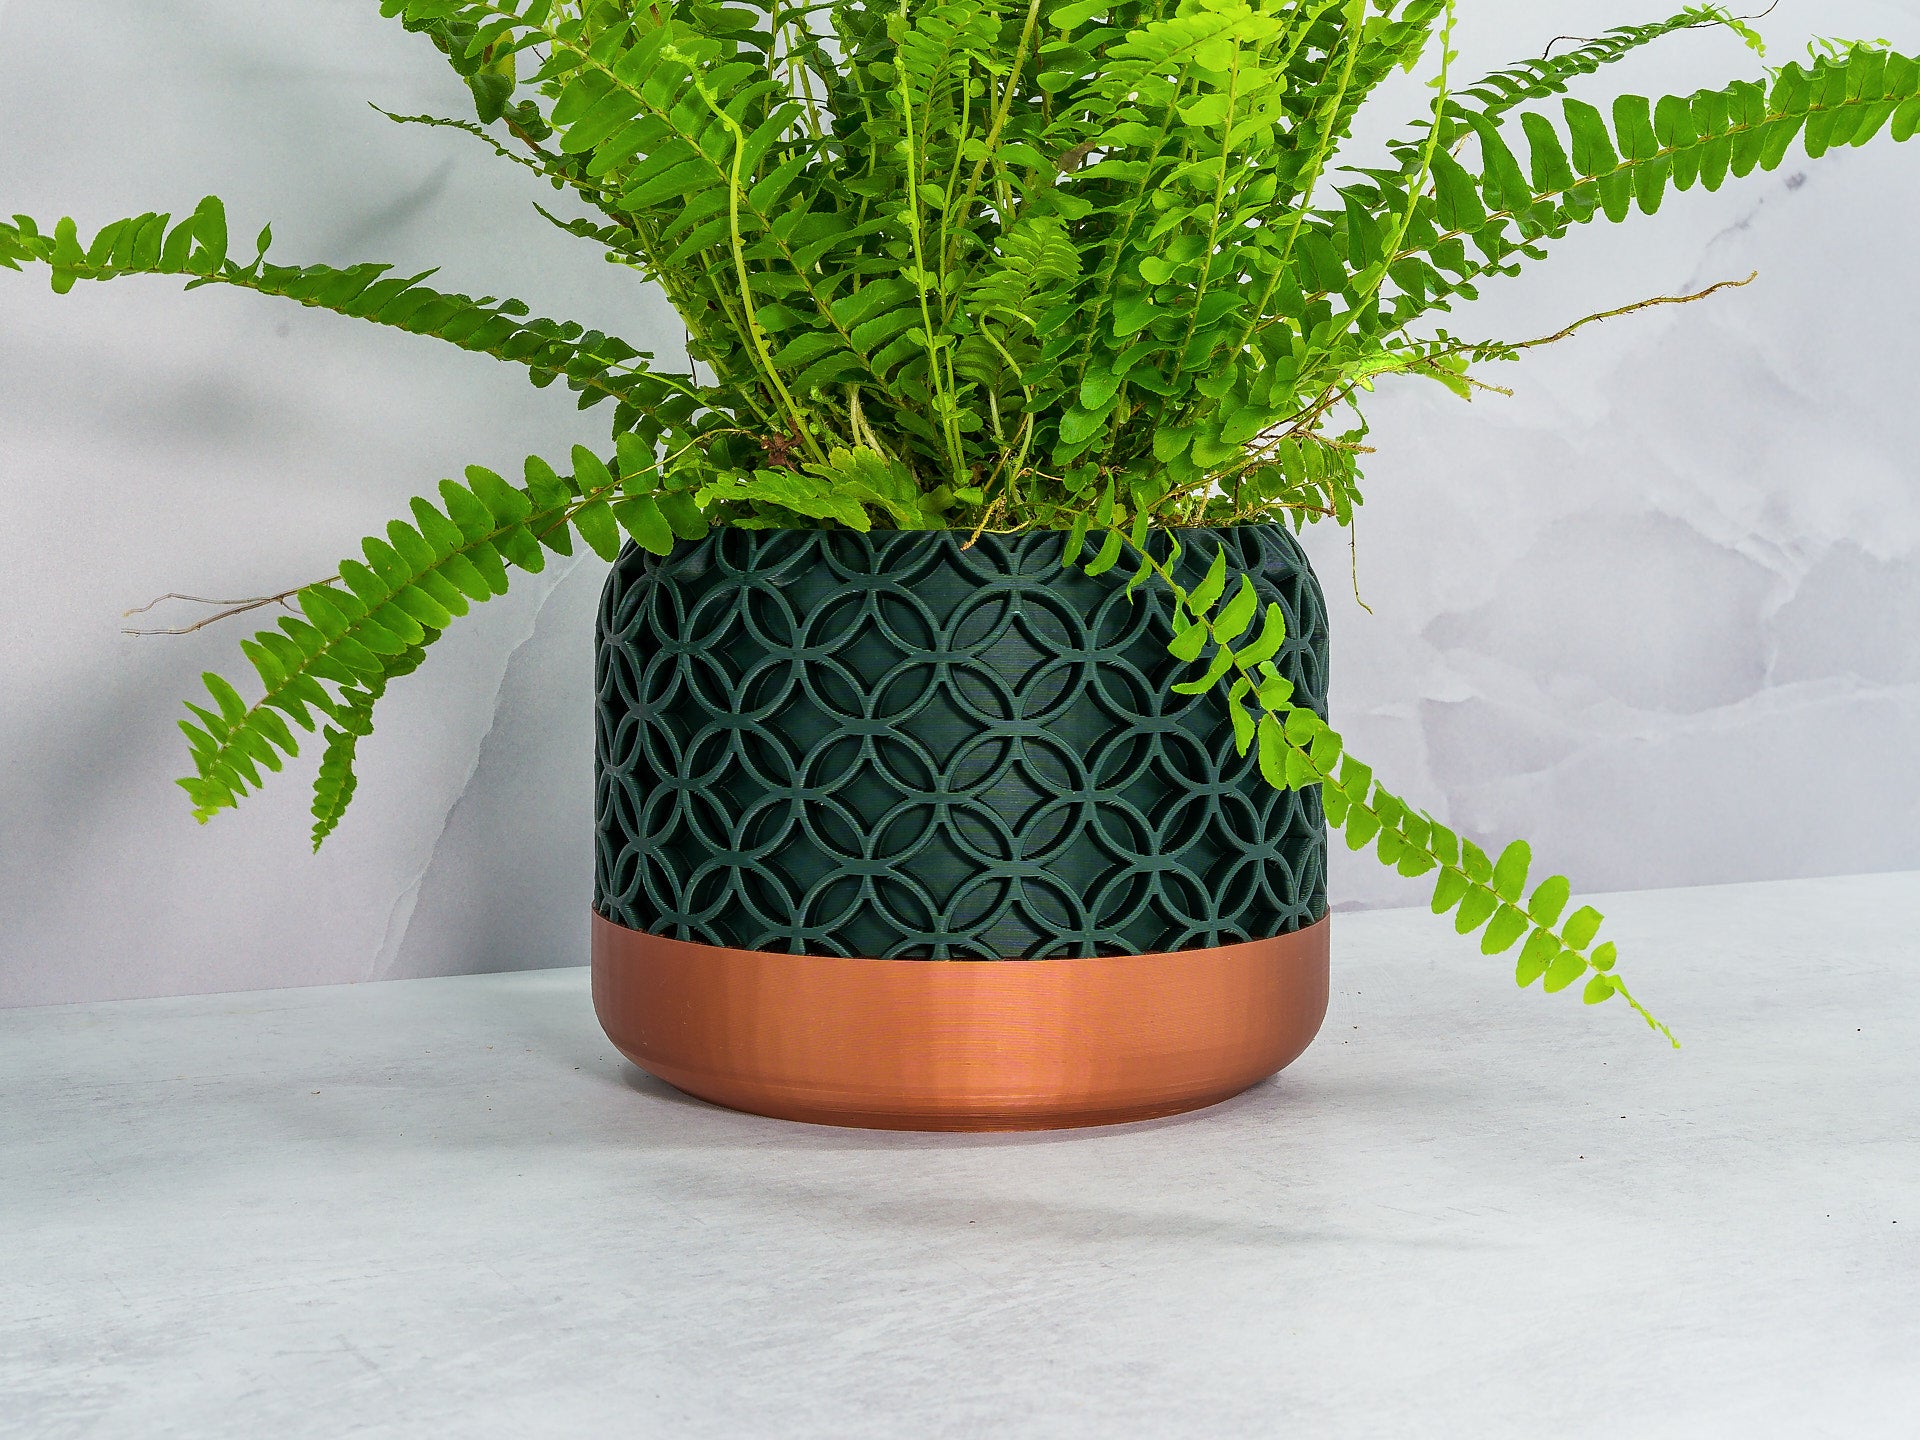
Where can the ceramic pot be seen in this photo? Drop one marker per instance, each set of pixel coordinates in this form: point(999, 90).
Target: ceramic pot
point(897, 831)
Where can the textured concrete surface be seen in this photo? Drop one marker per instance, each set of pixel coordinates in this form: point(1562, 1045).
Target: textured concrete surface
point(446, 1207)
point(1613, 614)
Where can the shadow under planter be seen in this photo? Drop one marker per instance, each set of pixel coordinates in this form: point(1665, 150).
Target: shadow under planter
point(897, 831)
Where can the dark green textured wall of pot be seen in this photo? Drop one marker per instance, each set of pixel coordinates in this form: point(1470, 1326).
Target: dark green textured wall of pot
point(893, 745)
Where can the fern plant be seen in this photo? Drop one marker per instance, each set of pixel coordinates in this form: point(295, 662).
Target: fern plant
point(1098, 266)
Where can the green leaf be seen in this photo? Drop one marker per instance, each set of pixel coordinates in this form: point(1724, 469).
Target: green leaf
point(1552, 173)
point(683, 514)
point(1633, 123)
point(1535, 956)
point(1189, 639)
point(1275, 691)
point(1077, 13)
point(1208, 592)
point(1581, 927)
point(1458, 195)
point(1566, 968)
point(1325, 748)
point(1476, 908)
point(590, 473)
point(1078, 426)
point(506, 505)
point(544, 487)
point(1217, 668)
point(1301, 774)
point(1237, 614)
point(1273, 634)
point(464, 508)
point(1510, 871)
point(1549, 899)
point(1593, 152)
point(1362, 825)
point(1599, 989)
point(1355, 778)
point(322, 607)
point(427, 611)
point(1109, 553)
point(1448, 887)
point(1273, 753)
point(1474, 861)
point(599, 529)
point(1337, 806)
point(1242, 718)
point(491, 91)
point(210, 230)
point(640, 517)
point(232, 707)
point(1075, 542)
point(1505, 929)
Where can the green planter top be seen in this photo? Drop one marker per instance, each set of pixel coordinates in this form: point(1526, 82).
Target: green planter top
point(898, 745)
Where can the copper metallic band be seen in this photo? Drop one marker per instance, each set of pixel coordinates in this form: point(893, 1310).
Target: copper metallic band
point(959, 1044)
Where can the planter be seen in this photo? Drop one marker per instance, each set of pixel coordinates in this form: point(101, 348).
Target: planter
point(896, 831)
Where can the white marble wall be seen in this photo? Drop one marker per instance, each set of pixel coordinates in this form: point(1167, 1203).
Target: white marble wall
point(1660, 612)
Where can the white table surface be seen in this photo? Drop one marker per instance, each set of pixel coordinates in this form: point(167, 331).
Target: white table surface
point(442, 1208)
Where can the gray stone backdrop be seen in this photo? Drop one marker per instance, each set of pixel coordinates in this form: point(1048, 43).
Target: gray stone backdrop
point(1659, 612)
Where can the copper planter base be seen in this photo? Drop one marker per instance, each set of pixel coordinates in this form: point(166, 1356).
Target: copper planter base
point(959, 1044)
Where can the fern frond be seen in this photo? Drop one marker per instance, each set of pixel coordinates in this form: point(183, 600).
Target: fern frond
point(597, 365)
point(1592, 166)
point(1220, 625)
point(334, 784)
point(1031, 273)
point(701, 149)
point(847, 487)
point(1529, 80)
point(332, 662)
point(531, 160)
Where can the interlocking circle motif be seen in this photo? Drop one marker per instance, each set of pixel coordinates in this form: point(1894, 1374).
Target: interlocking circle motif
point(898, 746)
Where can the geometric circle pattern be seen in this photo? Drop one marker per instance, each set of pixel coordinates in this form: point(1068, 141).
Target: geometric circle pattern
point(896, 745)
